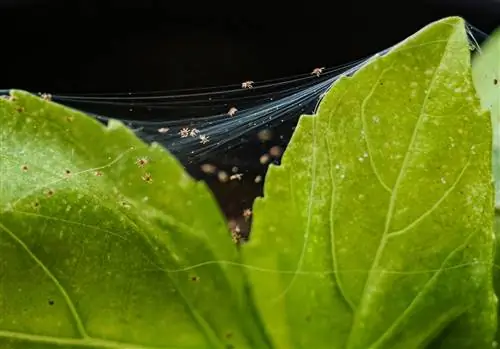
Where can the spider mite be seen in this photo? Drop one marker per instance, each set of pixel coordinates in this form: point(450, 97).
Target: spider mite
point(222, 176)
point(247, 84)
point(194, 132)
point(184, 132)
point(247, 213)
point(208, 168)
point(147, 178)
point(265, 135)
point(237, 176)
point(46, 96)
point(141, 162)
point(232, 111)
point(236, 236)
point(204, 139)
point(317, 71)
point(264, 159)
point(276, 151)
point(235, 230)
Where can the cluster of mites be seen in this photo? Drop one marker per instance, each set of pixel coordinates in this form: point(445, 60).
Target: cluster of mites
point(187, 132)
point(233, 225)
point(274, 153)
point(234, 228)
point(265, 135)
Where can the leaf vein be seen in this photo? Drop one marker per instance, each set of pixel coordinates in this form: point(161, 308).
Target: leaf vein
point(57, 283)
point(336, 273)
point(394, 193)
point(433, 208)
point(422, 291)
point(365, 128)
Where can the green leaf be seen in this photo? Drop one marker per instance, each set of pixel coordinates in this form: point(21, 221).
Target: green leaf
point(486, 75)
point(496, 266)
point(99, 239)
point(378, 225)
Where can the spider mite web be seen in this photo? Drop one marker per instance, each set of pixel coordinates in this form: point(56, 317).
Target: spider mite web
point(225, 135)
point(199, 124)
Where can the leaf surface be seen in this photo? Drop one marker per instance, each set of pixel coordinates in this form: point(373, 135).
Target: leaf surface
point(101, 240)
point(486, 77)
point(377, 226)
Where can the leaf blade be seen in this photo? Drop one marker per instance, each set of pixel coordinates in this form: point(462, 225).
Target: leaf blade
point(116, 244)
point(358, 168)
point(486, 75)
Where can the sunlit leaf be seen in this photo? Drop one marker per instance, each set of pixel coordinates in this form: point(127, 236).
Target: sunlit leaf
point(377, 227)
point(99, 239)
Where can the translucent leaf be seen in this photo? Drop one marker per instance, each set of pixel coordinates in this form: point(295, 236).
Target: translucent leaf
point(486, 75)
point(99, 239)
point(378, 226)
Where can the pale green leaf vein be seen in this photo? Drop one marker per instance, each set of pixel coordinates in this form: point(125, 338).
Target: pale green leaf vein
point(395, 190)
point(59, 286)
point(365, 129)
point(75, 342)
point(309, 212)
point(433, 208)
point(333, 240)
point(422, 293)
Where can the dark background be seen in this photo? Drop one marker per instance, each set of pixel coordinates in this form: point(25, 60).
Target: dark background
point(78, 46)
point(97, 45)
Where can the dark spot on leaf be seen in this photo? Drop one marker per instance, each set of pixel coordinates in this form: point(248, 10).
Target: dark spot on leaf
point(50, 192)
point(36, 204)
point(20, 109)
point(24, 168)
point(195, 278)
point(51, 302)
point(229, 335)
point(68, 172)
point(495, 81)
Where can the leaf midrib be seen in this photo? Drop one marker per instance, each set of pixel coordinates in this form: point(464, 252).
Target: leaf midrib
point(394, 194)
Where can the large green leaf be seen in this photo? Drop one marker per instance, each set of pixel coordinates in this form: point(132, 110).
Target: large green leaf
point(378, 225)
point(486, 75)
point(98, 233)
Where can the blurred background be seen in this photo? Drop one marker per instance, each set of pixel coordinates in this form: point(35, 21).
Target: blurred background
point(96, 46)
